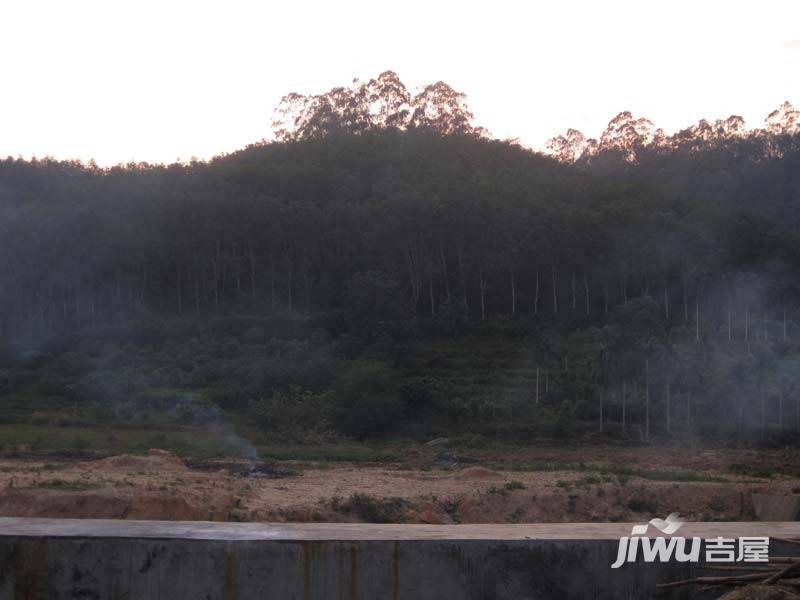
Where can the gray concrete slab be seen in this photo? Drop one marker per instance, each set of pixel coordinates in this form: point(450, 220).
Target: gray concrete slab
point(59, 559)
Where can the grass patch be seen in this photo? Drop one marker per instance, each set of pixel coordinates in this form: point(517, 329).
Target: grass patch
point(548, 466)
point(590, 479)
point(516, 515)
point(66, 486)
point(51, 439)
point(599, 471)
point(750, 471)
point(371, 509)
point(668, 475)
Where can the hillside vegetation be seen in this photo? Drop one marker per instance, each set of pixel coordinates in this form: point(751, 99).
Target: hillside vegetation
point(414, 281)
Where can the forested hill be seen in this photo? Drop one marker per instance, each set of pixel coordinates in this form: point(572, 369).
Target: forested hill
point(680, 267)
point(451, 222)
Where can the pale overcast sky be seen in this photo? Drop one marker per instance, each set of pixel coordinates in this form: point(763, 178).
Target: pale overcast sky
point(121, 80)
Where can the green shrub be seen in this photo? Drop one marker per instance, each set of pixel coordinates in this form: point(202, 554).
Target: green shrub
point(79, 443)
point(371, 509)
point(642, 505)
point(367, 401)
point(373, 297)
point(231, 396)
point(311, 369)
point(420, 394)
point(455, 408)
point(293, 411)
point(559, 424)
point(73, 364)
point(451, 319)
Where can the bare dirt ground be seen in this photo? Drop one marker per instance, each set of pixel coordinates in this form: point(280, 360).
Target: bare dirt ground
point(430, 486)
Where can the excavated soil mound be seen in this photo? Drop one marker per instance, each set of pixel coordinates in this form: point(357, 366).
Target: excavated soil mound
point(478, 473)
point(92, 505)
point(154, 460)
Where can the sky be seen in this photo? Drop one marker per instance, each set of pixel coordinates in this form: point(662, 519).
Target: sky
point(159, 81)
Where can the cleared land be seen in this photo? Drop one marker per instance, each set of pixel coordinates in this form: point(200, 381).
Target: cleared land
point(414, 483)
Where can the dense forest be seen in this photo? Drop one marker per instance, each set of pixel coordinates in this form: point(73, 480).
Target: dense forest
point(326, 281)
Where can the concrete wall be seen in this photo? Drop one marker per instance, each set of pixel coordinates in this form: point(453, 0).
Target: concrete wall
point(95, 559)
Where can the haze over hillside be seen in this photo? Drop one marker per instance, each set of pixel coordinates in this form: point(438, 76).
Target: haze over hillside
point(385, 222)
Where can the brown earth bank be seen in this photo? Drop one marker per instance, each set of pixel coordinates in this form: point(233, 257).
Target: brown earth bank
point(431, 486)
